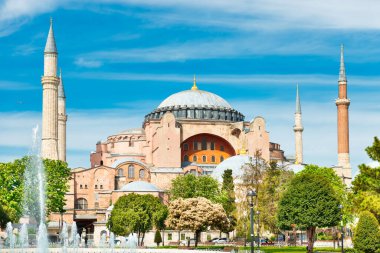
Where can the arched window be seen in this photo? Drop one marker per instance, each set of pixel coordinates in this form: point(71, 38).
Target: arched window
point(142, 173)
point(101, 162)
point(185, 146)
point(81, 203)
point(221, 158)
point(204, 143)
point(204, 159)
point(212, 146)
point(131, 171)
point(221, 148)
point(120, 172)
point(195, 158)
point(195, 145)
point(186, 158)
point(212, 159)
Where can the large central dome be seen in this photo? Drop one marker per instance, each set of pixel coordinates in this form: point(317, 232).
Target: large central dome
point(196, 104)
point(196, 98)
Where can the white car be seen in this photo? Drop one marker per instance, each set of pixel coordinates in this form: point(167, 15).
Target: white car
point(220, 240)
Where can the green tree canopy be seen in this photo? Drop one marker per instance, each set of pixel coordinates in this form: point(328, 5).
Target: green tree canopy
point(196, 214)
point(12, 187)
point(366, 185)
point(308, 202)
point(191, 186)
point(338, 186)
point(135, 213)
point(274, 181)
point(229, 204)
point(367, 234)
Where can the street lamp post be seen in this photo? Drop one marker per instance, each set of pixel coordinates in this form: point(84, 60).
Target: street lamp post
point(341, 220)
point(250, 195)
point(258, 230)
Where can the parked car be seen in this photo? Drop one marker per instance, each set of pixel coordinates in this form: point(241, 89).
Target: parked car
point(212, 240)
point(220, 240)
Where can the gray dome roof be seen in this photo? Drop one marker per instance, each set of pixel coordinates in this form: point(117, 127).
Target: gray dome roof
point(197, 98)
point(235, 163)
point(140, 186)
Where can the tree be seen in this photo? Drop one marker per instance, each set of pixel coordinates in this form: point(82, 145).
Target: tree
point(366, 185)
point(12, 188)
point(274, 181)
point(157, 238)
point(4, 218)
point(191, 186)
point(308, 202)
point(229, 204)
point(367, 235)
point(135, 213)
point(196, 214)
point(338, 186)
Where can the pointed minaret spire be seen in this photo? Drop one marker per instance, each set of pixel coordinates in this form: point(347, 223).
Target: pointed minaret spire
point(194, 84)
point(50, 83)
point(298, 102)
point(61, 89)
point(50, 46)
point(298, 129)
point(342, 70)
point(343, 103)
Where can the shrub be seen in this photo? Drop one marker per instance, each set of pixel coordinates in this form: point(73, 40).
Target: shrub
point(367, 236)
point(158, 238)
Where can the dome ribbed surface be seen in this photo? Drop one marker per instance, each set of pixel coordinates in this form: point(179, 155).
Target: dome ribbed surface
point(197, 98)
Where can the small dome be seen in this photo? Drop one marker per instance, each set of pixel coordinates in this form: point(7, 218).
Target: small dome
point(235, 163)
point(140, 186)
point(295, 167)
point(197, 98)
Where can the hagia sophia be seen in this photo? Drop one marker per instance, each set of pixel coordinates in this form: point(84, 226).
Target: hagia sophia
point(191, 131)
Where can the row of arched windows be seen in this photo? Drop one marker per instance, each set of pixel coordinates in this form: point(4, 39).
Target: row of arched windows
point(204, 146)
point(212, 159)
point(131, 172)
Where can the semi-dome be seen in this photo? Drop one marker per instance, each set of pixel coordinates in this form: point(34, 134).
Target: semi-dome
point(140, 186)
point(196, 98)
point(235, 163)
point(196, 104)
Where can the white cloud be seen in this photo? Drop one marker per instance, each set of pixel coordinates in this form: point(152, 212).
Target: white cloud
point(88, 63)
point(241, 79)
point(238, 14)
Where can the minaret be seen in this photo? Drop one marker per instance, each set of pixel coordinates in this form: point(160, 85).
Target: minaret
point(298, 129)
point(62, 118)
point(50, 82)
point(342, 103)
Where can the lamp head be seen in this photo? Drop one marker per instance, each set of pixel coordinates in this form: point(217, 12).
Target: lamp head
point(251, 193)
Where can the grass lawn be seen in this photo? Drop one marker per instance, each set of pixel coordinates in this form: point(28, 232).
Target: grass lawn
point(289, 249)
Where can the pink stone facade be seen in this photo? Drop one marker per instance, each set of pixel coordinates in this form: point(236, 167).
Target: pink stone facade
point(160, 151)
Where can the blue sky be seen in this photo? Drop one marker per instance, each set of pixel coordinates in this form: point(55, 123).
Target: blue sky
point(120, 58)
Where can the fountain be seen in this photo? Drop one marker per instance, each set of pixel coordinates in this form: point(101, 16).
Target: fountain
point(24, 237)
point(10, 236)
point(112, 241)
point(102, 242)
point(34, 212)
point(75, 237)
point(64, 237)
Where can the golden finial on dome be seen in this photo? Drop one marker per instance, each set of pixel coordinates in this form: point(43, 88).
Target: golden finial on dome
point(194, 84)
